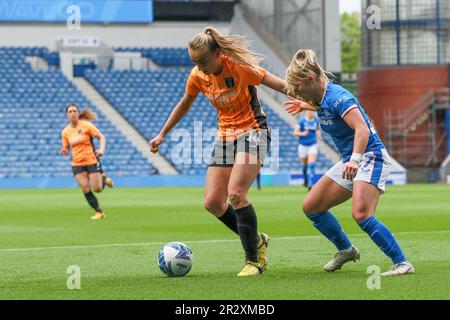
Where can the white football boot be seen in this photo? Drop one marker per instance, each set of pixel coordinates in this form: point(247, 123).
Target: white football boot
point(400, 269)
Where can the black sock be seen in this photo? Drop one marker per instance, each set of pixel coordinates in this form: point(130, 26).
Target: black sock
point(248, 231)
point(103, 181)
point(229, 219)
point(92, 200)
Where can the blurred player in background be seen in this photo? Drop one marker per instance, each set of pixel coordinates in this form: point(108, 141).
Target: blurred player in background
point(79, 136)
point(308, 130)
point(360, 175)
point(258, 181)
point(227, 72)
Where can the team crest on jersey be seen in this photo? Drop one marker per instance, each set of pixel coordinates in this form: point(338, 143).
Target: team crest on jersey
point(230, 82)
point(327, 113)
point(80, 131)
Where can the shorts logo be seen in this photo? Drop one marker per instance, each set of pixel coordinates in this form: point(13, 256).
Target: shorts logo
point(230, 82)
point(253, 139)
point(366, 168)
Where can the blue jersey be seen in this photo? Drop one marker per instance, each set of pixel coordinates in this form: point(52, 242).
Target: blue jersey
point(334, 106)
point(311, 126)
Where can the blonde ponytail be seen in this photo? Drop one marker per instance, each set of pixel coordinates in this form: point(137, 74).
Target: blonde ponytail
point(304, 65)
point(236, 47)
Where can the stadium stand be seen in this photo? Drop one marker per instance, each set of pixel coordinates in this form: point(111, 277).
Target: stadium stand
point(32, 116)
point(166, 57)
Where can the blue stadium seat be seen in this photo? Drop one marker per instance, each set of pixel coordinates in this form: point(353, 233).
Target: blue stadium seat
point(32, 116)
point(167, 57)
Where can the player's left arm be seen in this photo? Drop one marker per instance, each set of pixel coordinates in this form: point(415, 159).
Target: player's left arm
point(273, 82)
point(101, 150)
point(355, 120)
point(94, 132)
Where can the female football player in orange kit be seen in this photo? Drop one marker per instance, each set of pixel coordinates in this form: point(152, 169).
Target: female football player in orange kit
point(227, 73)
point(79, 136)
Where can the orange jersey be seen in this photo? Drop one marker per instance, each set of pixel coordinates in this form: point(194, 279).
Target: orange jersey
point(80, 139)
point(233, 94)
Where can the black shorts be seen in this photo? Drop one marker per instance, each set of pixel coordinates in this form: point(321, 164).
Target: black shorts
point(89, 169)
point(256, 143)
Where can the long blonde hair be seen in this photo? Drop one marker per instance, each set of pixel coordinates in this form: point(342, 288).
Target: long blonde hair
point(236, 47)
point(303, 65)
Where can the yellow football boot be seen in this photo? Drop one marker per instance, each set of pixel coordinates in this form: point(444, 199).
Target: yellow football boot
point(108, 181)
point(250, 269)
point(263, 258)
point(98, 216)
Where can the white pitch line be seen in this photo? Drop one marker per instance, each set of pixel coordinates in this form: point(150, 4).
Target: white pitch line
point(140, 244)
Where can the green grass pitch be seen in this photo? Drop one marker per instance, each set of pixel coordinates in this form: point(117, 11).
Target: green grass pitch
point(42, 232)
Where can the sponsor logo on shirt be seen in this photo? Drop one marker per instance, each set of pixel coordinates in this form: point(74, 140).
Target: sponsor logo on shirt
point(222, 97)
point(326, 122)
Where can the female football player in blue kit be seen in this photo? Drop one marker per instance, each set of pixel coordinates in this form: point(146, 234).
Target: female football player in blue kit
point(360, 175)
point(307, 130)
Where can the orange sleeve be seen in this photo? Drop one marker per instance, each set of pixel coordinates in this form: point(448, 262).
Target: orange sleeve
point(92, 130)
point(65, 140)
point(251, 76)
point(192, 85)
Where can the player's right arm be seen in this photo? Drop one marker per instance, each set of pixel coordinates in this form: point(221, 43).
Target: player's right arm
point(180, 110)
point(177, 114)
point(299, 133)
point(64, 151)
point(319, 133)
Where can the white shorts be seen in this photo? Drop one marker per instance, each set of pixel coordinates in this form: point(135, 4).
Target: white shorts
point(374, 169)
point(305, 151)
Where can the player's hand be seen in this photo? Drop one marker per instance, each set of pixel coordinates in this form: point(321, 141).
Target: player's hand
point(350, 170)
point(155, 143)
point(64, 151)
point(99, 153)
point(294, 106)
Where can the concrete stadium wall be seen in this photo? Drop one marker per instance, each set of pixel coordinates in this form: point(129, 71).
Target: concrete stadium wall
point(158, 34)
point(279, 179)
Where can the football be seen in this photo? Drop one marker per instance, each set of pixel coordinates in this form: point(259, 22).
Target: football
point(175, 259)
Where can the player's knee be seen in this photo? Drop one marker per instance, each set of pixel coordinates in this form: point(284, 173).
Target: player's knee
point(360, 214)
point(237, 198)
point(97, 189)
point(213, 206)
point(309, 206)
